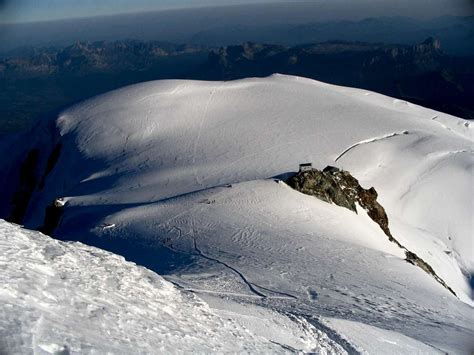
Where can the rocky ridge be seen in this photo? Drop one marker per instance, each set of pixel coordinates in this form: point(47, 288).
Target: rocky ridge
point(333, 185)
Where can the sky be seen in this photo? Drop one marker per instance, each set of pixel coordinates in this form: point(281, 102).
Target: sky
point(44, 10)
point(13, 11)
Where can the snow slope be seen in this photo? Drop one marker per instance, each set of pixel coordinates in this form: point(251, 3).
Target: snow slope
point(144, 172)
point(70, 298)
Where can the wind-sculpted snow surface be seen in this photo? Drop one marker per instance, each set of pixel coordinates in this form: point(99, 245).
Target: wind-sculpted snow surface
point(177, 176)
point(71, 298)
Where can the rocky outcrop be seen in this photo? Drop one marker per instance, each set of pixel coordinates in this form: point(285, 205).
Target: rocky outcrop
point(341, 188)
point(52, 216)
point(22, 181)
point(337, 186)
point(414, 259)
point(322, 185)
point(366, 198)
point(28, 176)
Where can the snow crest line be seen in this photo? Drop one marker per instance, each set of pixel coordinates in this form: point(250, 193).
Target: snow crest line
point(371, 140)
point(177, 89)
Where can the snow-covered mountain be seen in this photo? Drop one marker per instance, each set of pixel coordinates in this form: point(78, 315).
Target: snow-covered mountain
point(179, 177)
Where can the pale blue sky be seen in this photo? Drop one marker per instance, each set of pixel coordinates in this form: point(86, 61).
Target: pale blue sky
point(39, 10)
point(42, 10)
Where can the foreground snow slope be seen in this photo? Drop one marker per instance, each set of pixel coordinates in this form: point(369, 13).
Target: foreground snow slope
point(60, 298)
point(144, 173)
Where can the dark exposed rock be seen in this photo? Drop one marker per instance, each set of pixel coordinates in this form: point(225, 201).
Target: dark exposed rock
point(330, 169)
point(52, 217)
point(367, 199)
point(414, 259)
point(323, 186)
point(52, 160)
point(27, 184)
point(22, 181)
point(341, 188)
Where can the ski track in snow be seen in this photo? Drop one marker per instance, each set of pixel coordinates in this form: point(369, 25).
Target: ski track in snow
point(434, 161)
point(370, 140)
point(244, 279)
point(198, 136)
point(249, 284)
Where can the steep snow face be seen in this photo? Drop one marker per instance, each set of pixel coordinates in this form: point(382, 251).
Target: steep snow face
point(144, 172)
point(66, 298)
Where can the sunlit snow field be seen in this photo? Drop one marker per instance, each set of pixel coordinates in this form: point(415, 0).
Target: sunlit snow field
point(182, 178)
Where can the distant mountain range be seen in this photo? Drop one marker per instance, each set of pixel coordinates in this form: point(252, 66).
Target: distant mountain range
point(456, 33)
point(283, 24)
point(38, 81)
point(421, 74)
